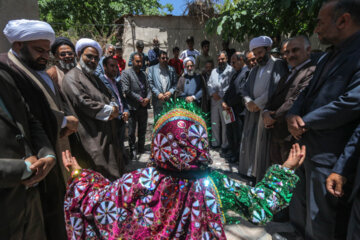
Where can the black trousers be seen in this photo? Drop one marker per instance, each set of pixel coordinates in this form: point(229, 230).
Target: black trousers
point(354, 223)
point(137, 117)
point(315, 213)
point(233, 133)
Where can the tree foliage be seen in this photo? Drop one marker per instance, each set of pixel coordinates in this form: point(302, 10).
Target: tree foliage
point(98, 16)
point(239, 19)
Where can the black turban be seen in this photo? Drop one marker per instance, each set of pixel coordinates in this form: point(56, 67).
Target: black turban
point(59, 41)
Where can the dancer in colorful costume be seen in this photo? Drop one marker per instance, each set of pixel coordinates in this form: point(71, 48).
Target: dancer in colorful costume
point(178, 196)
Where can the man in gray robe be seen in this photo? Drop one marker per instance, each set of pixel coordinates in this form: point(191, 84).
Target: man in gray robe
point(96, 143)
point(218, 84)
point(262, 81)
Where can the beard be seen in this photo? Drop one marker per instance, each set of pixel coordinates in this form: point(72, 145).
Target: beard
point(66, 66)
point(222, 66)
point(191, 73)
point(28, 59)
point(85, 67)
point(263, 60)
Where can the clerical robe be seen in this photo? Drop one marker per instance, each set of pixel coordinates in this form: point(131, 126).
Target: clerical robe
point(254, 151)
point(95, 144)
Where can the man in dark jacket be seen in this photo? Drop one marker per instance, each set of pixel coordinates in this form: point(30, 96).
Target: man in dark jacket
point(135, 85)
point(111, 70)
point(233, 100)
point(323, 118)
point(298, 51)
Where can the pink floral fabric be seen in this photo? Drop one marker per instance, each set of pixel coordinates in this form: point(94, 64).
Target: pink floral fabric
point(143, 204)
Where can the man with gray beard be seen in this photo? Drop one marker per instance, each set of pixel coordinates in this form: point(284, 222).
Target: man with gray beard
point(190, 85)
point(64, 52)
point(96, 143)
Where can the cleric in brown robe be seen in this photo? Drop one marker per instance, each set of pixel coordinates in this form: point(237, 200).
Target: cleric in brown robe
point(30, 44)
point(95, 143)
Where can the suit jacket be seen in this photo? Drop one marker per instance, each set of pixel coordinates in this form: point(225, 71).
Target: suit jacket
point(348, 163)
point(134, 89)
point(21, 136)
point(232, 95)
point(122, 97)
point(330, 104)
point(284, 96)
point(155, 82)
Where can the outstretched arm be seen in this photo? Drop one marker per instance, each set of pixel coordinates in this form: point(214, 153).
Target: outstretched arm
point(258, 204)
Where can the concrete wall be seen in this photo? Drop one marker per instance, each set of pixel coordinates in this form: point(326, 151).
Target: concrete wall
point(172, 31)
point(15, 9)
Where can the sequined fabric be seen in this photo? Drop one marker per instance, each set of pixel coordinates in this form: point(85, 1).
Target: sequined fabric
point(178, 198)
point(146, 204)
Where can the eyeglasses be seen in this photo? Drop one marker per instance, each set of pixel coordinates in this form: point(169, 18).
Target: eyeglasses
point(92, 57)
point(164, 58)
point(63, 54)
point(187, 66)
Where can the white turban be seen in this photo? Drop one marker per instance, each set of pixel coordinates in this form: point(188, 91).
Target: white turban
point(87, 42)
point(262, 41)
point(22, 30)
point(189, 59)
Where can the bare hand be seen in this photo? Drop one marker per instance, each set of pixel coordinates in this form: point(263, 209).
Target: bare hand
point(167, 95)
point(72, 123)
point(189, 99)
point(41, 168)
point(252, 107)
point(70, 162)
point(296, 157)
point(145, 102)
point(161, 97)
point(296, 126)
point(31, 160)
point(268, 120)
point(125, 116)
point(115, 113)
point(225, 106)
point(216, 97)
point(335, 183)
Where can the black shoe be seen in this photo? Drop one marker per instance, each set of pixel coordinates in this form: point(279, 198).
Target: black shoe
point(215, 148)
point(232, 159)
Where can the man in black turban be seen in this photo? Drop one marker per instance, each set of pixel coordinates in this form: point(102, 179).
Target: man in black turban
point(64, 52)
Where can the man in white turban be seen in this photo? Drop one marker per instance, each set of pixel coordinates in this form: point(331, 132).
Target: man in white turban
point(261, 83)
point(96, 144)
point(30, 45)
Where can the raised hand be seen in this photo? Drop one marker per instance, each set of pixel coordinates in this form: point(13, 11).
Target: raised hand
point(296, 157)
point(70, 162)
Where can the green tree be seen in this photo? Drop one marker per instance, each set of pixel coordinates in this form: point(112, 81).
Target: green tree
point(94, 17)
point(239, 19)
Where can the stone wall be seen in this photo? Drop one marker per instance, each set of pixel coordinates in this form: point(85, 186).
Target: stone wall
point(15, 9)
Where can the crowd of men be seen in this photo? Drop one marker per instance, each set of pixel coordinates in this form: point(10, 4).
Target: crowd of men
point(260, 102)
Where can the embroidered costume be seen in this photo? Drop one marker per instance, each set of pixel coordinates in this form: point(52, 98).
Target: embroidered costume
point(178, 196)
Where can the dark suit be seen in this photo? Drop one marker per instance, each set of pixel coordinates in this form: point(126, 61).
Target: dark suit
point(136, 87)
point(280, 102)
point(351, 170)
point(21, 136)
point(119, 122)
point(330, 108)
point(52, 189)
point(233, 99)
